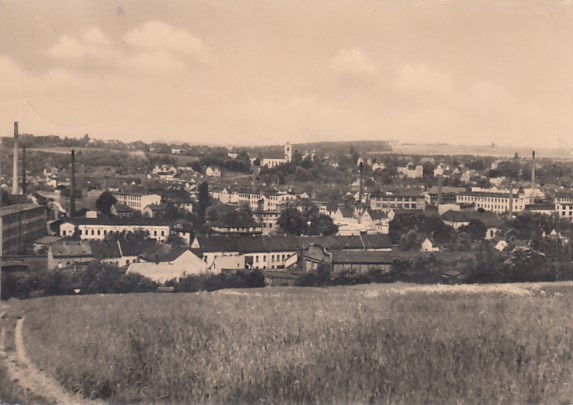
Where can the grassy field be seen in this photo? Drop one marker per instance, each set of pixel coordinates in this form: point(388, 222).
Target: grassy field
point(374, 343)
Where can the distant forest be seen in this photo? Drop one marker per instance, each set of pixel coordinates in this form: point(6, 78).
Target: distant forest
point(346, 146)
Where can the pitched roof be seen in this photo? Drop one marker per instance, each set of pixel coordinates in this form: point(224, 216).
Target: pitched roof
point(377, 214)
point(378, 241)
point(118, 221)
point(273, 154)
point(68, 248)
point(105, 249)
point(135, 247)
point(346, 212)
point(16, 208)
point(162, 252)
point(489, 219)
point(157, 207)
point(455, 216)
point(122, 208)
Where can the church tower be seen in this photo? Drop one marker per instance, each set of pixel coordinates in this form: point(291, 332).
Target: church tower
point(288, 152)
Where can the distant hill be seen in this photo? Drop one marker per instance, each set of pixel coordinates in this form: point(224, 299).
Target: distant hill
point(345, 146)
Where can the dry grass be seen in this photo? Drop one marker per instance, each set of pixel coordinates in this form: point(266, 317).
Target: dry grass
point(344, 344)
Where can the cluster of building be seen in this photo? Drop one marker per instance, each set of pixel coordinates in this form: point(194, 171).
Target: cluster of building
point(49, 224)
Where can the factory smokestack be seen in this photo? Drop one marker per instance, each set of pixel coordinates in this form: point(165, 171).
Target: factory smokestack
point(510, 201)
point(533, 177)
point(72, 208)
point(361, 185)
point(15, 167)
point(440, 192)
point(23, 170)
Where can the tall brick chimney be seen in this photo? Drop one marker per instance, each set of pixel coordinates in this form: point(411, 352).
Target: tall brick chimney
point(533, 177)
point(23, 170)
point(15, 167)
point(72, 208)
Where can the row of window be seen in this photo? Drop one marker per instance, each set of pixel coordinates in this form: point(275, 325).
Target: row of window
point(100, 232)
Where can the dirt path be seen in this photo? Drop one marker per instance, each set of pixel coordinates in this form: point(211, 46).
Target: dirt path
point(29, 378)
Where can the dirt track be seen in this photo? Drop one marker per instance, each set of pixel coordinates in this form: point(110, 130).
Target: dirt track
point(27, 376)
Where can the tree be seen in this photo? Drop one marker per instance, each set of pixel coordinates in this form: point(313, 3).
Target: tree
point(322, 225)
point(308, 221)
point(475, 229)
point(292, 221)
point(104, 203)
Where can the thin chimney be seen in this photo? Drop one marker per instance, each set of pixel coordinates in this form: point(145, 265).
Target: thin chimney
point(361, 185)
point(440, 193)
point(533, 177)
point(72, 208)
point(15, 167)
point(23, 169)
point(510, 201)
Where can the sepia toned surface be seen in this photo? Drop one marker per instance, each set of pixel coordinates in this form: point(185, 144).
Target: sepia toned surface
point(269, 71)
point(286, 201)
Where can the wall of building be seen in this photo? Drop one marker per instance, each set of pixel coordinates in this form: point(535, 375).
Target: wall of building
point(20, 225)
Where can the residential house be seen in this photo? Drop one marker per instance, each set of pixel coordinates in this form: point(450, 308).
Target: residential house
point(65, 253)
point(167, 262)
point(212, 172)
point(411, 171)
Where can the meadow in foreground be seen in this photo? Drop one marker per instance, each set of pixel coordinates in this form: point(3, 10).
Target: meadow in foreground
point(343, 344)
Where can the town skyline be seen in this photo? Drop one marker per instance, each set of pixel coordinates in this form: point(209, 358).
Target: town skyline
point(218, 73)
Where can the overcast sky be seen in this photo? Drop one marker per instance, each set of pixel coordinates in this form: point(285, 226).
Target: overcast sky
point(260, 72)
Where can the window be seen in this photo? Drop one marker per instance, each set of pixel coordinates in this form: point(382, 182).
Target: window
point(93, 232)
point(154, 233)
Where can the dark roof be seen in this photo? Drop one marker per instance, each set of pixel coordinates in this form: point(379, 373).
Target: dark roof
point(346, 212)
point(123, 208)
point(105, 249)
point(282, 243)
point(489, 194)
point(117, 221)
point(376, 241)
point(404, 192)
point(135, 247)
point(377, 214)
point(273, 154)
point(162, 252)
point(16, 208)
point(455, 216)
point(446, 190)
point(157, 207)
point(489, 219)
point(539, 207)
point(68, 248)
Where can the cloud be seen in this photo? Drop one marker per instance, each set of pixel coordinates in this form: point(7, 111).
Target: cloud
point(152, 48)
point(422, 78)
point(353, 62)
point(155, 36)
point(10, 83)
point(92, 47)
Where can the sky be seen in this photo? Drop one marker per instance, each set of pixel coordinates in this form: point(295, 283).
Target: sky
point(269, 71)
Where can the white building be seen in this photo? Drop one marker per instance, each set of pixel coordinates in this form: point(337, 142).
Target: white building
point(99, 228)
point(135, 200)
point(275, 158)
point(497, 202)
